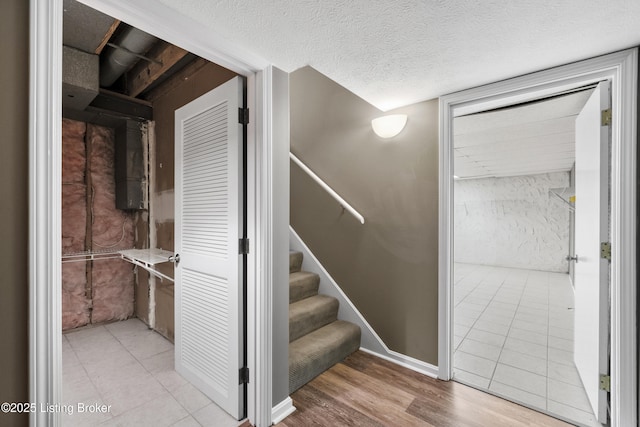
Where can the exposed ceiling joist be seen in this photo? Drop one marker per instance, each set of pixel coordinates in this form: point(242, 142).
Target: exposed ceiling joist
point(107, 36)
point(176, 79)
point(108, 102)
point(163, 56)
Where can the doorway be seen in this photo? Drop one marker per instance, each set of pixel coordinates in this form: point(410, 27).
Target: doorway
point(122, 89)
point(620, 68)
point(514, 197)
point(267, 93)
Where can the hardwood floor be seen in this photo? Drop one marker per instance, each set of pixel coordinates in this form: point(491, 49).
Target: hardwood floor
point(364, 390)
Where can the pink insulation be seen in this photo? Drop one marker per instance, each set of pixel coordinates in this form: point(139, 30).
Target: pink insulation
point(112, 290)
point(110, 295)
point(112, 229)
point(74, 191)
point(75, 304)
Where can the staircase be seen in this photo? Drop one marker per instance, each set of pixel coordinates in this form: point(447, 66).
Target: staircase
point(317, 339)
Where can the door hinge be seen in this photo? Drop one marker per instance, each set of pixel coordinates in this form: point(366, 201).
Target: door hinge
point(243, 116)
point(605, 118)
point(605, 250)
point(243, 246)
point(244, 375)
point(605, 382)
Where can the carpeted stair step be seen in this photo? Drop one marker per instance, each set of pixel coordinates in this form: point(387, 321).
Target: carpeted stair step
point(317, 351)
point(295, 261)
point(302, 284)
point(310, 314)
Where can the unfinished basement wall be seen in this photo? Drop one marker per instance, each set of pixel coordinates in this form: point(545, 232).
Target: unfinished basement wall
point(161, 202)
point(100, 290)
point(512, 222)
point(388, 266)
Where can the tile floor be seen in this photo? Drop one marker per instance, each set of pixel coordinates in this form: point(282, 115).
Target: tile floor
point(130, 367)
point(513, 335)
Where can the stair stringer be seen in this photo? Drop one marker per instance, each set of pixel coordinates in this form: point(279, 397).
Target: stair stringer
point(370, 341)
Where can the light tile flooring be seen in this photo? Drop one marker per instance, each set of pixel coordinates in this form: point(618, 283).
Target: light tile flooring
point(513, 335)
point(130, 367)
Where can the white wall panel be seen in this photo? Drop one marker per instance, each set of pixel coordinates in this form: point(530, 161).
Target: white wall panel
point(512, 222)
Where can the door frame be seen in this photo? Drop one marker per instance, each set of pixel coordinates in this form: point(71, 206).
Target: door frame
point(265, 138)
point(622, 69)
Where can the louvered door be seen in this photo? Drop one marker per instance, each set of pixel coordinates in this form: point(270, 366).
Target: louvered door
point(208, 226)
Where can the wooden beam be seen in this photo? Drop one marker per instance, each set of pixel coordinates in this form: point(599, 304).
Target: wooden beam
point(111, 103)
point(176, 80)
point(107, 36)
point(144, 73)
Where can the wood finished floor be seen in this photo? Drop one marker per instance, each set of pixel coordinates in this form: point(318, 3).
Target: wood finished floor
point(364, 390)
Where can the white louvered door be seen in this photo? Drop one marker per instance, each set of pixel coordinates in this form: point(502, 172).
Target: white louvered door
point(208, 226)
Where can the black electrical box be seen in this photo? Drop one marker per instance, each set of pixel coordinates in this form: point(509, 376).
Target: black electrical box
point(129, 164)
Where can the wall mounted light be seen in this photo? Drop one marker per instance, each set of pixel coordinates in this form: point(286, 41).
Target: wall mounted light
point(389, 126)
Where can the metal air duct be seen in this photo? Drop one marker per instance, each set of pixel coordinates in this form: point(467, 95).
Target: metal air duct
point(131, 44)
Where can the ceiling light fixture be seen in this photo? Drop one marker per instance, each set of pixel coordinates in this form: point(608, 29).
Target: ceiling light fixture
point(389, 126)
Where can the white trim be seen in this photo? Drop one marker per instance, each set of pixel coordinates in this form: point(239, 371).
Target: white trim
point(166, 23)
point(278, 239)
point(45, 192)
point(282, 410)
point(328, 189)
point(263, 229)
point(408, 362)
point(621, 69)
point(254, 302)
point(370, 341)
point(45, 366)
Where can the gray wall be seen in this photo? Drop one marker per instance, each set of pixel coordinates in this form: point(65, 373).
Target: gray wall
point(14, 175)
point(388, 266)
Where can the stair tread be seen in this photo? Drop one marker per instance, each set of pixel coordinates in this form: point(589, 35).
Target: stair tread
point(302, 284)
point(328, 331)
point(301, 275)
point(303, 307)
point(312, 354)
point(311, 313)
point(295, 261)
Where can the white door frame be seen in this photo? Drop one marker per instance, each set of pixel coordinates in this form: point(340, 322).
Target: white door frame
point(45, 366)
point(622, 69)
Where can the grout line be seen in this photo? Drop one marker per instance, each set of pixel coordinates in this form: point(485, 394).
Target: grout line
point(531, 282)
point(170, 393)
point(508, 330)
point(89, 377)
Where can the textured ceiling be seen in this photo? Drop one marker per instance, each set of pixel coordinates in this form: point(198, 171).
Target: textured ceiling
point(525, 140)
point(396, 52)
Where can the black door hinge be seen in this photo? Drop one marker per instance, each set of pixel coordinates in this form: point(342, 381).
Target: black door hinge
point(243, 116)
point(243, 246)
point(244, 375)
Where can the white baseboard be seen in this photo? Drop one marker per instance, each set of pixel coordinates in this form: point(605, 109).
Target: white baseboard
point(282, 410)
point(371, 341)
point(409, 362)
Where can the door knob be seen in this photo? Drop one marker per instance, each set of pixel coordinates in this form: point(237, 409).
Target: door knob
point(175, 259)
point(572, 258)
